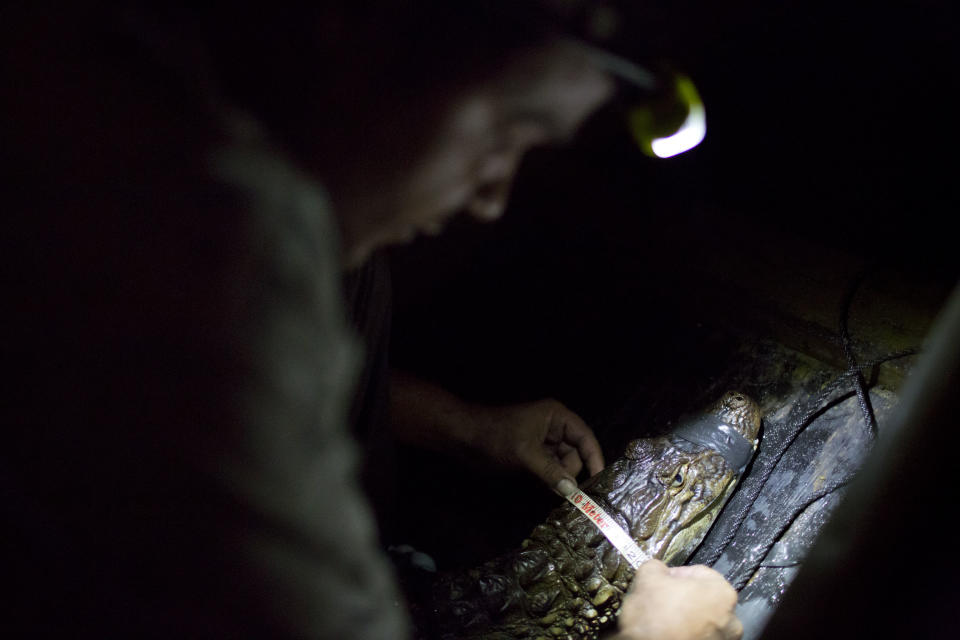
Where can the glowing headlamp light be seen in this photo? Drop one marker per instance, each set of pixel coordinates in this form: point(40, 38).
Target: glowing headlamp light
point(670, 123)
point(668, 116)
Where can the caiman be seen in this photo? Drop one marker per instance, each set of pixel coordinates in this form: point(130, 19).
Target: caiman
point(567, 580)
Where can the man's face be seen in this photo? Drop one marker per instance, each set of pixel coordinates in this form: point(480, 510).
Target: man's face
point(469, 160)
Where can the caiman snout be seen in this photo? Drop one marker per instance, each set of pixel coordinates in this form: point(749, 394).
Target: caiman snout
point(568, 580)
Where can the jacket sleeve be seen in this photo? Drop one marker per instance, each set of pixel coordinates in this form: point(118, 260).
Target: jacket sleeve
point(308, 536)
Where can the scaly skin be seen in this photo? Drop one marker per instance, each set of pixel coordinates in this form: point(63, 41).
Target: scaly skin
point(567, 580)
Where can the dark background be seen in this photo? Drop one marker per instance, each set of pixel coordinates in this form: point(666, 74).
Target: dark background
point(830, 122)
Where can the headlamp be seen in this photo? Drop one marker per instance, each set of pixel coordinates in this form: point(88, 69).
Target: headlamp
point(665, 114)
point(670, 123)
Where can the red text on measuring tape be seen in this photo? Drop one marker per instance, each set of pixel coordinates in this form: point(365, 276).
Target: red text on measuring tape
point(609, 527)
point(590, 509)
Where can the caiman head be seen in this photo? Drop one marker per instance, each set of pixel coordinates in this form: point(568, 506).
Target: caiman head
point(567, 580)
point(670, 489)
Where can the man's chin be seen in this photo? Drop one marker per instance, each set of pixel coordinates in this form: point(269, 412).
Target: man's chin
point(355, 257)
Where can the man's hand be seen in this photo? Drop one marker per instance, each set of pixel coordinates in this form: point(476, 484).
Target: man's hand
point(679, 603)
point(542, 437)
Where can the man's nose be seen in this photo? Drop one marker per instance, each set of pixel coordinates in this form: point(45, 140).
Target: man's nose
point(490, 200)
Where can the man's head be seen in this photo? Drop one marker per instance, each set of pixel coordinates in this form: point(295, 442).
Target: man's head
point(409, 111)
point(466, 156)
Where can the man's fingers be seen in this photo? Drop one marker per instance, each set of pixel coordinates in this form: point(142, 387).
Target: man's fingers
point(545, 466)
point(679, 602)
point(733, 630)
point(579, 435)
point(550, 441)
point(694, 571)
point(704, 573)
point(571, 461)
point(649, 568)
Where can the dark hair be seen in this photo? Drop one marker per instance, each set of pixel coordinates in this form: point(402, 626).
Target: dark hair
point(339, 60)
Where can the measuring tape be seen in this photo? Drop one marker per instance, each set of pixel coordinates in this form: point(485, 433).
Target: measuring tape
point(609, 527)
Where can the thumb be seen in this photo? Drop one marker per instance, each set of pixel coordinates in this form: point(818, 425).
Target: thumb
point(653, 567)
point(550, 471)
point(651, 572)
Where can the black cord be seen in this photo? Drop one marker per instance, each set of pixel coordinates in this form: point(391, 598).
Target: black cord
point(802, 414)
point(863, 398)
point(784, 526)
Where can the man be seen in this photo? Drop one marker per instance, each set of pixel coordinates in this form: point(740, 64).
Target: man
point(178, 463)
point(468, 164)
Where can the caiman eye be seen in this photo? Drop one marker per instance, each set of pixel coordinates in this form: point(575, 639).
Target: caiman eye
point(673, 480)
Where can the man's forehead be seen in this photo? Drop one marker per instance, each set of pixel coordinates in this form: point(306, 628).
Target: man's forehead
point(556, 85)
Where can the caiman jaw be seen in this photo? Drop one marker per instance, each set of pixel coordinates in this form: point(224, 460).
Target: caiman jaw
point(683, 536)
point(669, 520)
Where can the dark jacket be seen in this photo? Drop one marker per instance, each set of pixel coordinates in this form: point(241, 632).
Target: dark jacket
point(176, 461)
